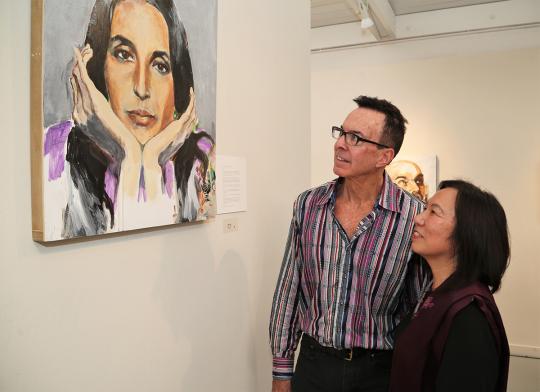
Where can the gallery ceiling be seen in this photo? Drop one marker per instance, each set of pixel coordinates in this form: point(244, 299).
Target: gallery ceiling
point(333, 12)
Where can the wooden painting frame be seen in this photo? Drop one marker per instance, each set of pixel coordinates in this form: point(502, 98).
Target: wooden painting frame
point(36, 119)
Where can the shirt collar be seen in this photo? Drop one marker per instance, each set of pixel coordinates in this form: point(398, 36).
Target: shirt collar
point(390, 194)
point(328, 193)
point(388, 198)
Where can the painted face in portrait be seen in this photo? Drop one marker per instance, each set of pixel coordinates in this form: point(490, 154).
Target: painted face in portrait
point(138, 72)
point(433, 228)
point(409, 176)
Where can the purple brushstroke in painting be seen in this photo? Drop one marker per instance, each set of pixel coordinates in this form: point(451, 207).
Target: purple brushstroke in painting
point(169, 173)
point(205, 145)
point(55, 139)
point(111, 182)
point(142, 190)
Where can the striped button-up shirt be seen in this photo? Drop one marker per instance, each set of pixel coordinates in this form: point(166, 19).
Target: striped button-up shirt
point(344, 292)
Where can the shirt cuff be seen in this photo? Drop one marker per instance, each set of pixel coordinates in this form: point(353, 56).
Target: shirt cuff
point(282, 368)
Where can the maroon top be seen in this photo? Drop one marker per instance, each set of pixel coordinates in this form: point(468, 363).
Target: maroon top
point(419, 348)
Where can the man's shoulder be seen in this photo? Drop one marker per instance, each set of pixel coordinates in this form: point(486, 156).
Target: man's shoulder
point(316, 195)
point(320, 191)
point(403, 202)
point(412, 200)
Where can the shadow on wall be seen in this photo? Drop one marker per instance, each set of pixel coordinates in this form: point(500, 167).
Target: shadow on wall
point(207, 307)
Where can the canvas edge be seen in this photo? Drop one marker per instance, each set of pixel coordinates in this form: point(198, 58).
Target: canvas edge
point(36, 119)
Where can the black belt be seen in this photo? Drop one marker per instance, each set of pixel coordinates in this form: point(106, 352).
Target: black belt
point(347, 354)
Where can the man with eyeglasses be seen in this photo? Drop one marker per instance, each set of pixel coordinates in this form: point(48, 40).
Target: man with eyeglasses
point(347, 279)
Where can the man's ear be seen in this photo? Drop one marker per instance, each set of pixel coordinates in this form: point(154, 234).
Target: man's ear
point(385, 157)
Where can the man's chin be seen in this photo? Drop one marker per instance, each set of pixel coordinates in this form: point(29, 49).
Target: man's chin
point(339, 172)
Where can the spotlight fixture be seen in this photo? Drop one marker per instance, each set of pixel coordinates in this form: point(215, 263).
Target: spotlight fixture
point(365, 20)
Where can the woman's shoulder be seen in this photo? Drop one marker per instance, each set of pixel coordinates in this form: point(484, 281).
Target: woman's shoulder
point(470, 319)
point(467, 314)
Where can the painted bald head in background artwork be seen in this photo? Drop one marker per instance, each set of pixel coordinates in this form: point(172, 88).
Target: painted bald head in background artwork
point(409, 176)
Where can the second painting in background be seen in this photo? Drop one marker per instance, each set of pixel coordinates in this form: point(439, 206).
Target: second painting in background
point(415, 174)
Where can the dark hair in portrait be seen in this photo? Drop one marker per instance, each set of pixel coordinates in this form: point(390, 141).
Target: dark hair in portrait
point(88, 162)
point(394, 124)
point(480, 237)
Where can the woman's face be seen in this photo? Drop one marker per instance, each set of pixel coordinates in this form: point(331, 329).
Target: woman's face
point(433, 228)
point(138, 71)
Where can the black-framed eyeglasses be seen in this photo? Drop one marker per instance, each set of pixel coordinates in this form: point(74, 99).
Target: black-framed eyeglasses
point(352, 139)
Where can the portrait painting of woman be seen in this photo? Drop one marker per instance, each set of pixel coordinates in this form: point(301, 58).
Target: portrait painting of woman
point(133, 143)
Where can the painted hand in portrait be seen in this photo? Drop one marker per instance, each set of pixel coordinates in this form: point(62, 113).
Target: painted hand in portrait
point(134, 153)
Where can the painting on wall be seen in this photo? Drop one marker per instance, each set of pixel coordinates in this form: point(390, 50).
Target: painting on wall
point(415, 174)
point(123, 115)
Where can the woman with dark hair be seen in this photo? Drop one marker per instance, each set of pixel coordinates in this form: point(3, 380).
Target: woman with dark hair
point(455, 340)
point(135, 156)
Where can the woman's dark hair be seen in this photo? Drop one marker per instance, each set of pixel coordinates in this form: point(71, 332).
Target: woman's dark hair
point(88, 162)
point(480, 236)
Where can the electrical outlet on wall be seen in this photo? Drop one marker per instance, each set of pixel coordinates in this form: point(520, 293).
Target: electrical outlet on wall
point(230, 225)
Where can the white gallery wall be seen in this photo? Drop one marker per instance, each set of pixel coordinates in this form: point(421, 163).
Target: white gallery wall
point(175, 309)
point(186, 308)
point(474, 101)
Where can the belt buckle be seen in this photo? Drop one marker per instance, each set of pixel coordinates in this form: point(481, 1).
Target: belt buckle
point(349, 354)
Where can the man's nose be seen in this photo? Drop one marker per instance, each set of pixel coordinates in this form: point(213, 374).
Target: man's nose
point(413, 186)
point(340, 142)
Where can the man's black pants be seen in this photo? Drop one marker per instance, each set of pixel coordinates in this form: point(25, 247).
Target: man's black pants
point(322, 369)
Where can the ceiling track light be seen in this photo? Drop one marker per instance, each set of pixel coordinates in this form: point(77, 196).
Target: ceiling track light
point(363, 12)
